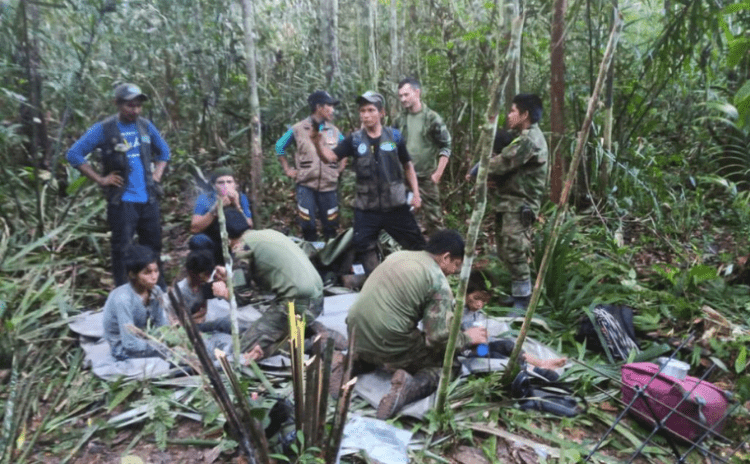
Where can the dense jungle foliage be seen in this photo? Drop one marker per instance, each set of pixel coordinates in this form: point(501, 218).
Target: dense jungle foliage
point(659, 221)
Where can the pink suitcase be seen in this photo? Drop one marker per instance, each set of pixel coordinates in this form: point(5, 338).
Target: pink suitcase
point(705, 407)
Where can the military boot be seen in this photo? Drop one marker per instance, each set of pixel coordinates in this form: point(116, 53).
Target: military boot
point(405, 389)
point(521, 303)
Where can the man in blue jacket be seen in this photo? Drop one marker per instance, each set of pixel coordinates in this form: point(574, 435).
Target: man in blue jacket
point(129, 146)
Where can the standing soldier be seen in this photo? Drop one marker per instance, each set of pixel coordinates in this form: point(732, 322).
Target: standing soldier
point(429, 144)
point(316, 180)
point(382, 165)
point(519, 174)
point(129, 145)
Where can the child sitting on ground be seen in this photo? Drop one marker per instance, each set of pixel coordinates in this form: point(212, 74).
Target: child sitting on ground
point(138, 303)
point(196, 289)
point(478, 295)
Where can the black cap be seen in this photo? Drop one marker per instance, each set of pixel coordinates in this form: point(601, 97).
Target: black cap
point(127, 92)
point(321, 97)
point(371, 97)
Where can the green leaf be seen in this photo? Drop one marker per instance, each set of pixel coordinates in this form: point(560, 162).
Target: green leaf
point(74, 186)
point(741, 362)
point(121, 396)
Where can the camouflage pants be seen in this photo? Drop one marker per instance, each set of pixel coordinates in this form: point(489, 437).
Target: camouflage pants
point(273, 326)
point(513, 245)
point(420, 359)
point(430, 216)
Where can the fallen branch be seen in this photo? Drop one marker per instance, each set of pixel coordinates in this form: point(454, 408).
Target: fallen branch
point(236, 428)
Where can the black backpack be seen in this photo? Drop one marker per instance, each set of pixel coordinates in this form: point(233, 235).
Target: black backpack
point(609, 329)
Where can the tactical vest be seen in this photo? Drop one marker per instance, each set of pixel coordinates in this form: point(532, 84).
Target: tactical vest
point(311, 171)
point(380, 175)
point(117, 161)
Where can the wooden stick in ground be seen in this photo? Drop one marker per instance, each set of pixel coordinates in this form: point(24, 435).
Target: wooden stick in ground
point(310, 406)
point(349, 358)
point(561, 211)
point(296, 353)
point(486, 139)
point(257, 433)
point(339, 421)
point(235, 425)
point(230, 283)
point(325, 381)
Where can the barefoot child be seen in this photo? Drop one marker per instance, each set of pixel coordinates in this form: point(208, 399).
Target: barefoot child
point(478, 295)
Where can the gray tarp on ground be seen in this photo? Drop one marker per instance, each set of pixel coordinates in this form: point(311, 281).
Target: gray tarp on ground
point(90, 328)
point(371, 387)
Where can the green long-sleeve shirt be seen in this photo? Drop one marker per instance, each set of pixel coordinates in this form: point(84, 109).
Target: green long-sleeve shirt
point(406, 288)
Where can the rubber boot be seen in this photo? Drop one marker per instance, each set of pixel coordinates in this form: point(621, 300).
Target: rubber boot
point(521, 304)
point(405, 389)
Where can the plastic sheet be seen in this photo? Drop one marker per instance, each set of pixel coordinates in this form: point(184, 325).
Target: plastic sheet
point(381, 441)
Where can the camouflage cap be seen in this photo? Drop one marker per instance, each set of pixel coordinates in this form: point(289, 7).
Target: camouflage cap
point(371, 97)
point(128, 92)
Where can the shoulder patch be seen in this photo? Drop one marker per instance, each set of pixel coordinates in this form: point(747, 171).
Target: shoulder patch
point(388, 146)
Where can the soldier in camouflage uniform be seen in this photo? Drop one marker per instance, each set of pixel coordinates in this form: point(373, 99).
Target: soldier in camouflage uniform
point(429, 144)
point(409, 287)
point(277, 265)
point(519, 174)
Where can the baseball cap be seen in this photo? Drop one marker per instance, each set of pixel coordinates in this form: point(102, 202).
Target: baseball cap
point(321, 97)
point(371, 97)
point(127, 92)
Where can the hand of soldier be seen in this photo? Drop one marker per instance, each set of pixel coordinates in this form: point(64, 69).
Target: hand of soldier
point(111, 179)
point(315, 137)
point(477, 335)
point(416, 201)
point(220, 290)
point(436, 177)
point(291, 173)
point(220, 273)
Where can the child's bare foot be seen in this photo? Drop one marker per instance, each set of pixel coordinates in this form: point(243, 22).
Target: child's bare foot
point(552, 363)
point(253, 355)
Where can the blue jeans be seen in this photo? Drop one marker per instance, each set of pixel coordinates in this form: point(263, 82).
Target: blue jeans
point(312, 205)
point(125, 220)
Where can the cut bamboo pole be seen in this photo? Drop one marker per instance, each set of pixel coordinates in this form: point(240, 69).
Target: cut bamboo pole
point(485, 143)
point(257, 434)
point(337, 430)
point(235, 425)
point(325, 381)
point(561, 211)
point(233, 318)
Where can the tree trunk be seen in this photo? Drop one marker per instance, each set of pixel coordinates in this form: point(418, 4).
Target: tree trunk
point(557, 99)
point(603, 182)
point(489, 128)
point(395, 58)
point(329, 25)
point(256, 154)
point(511, 10)
point(32, 116)
point(372, 54)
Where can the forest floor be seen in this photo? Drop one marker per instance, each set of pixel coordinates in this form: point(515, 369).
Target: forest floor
point(131, 445)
